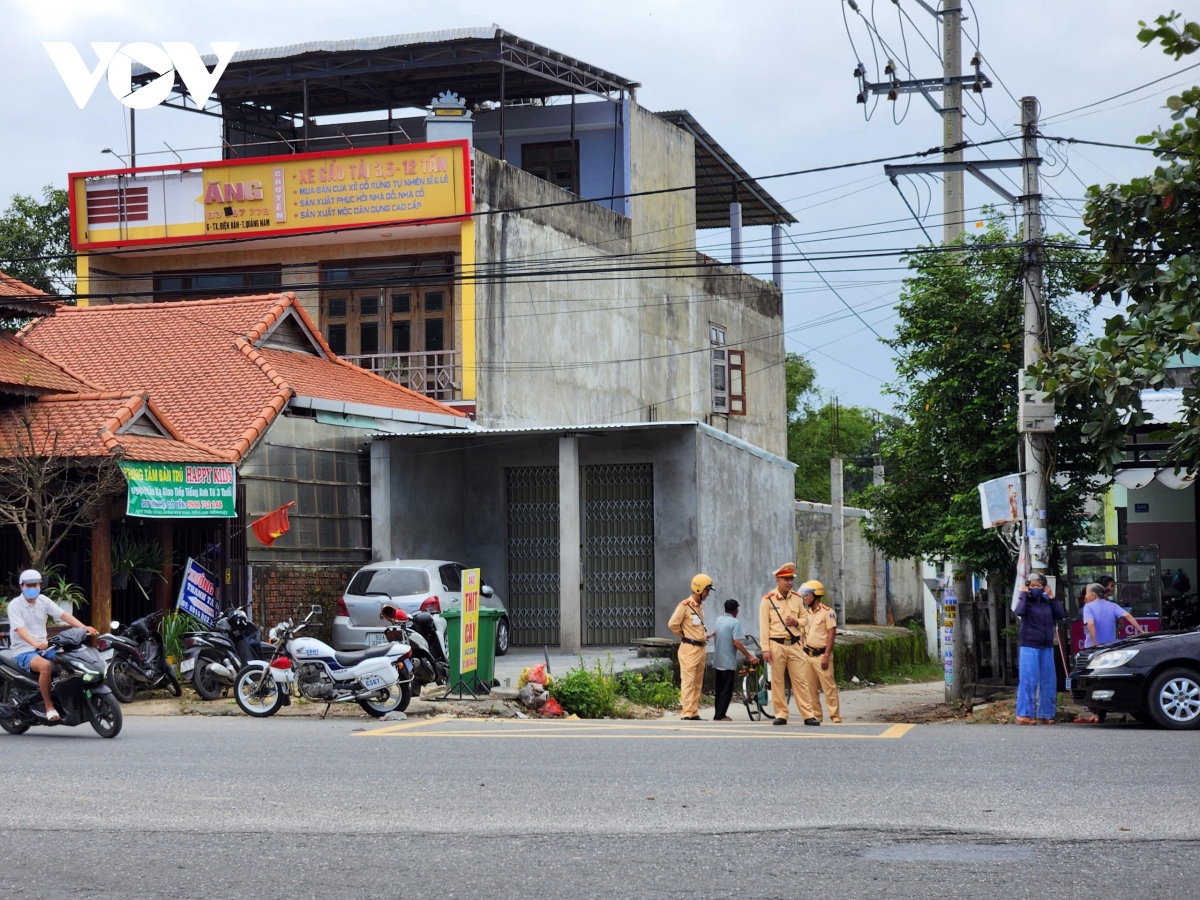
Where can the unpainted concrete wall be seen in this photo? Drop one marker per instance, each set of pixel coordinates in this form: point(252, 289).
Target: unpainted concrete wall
point(745, 523)
point(814, 561)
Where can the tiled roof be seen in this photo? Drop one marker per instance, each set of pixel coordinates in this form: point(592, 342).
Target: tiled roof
point(88, 425)
point(24, 371)
point(19, 297)
point(200, 363)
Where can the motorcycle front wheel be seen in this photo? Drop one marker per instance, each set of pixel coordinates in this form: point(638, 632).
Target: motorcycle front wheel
point(207, 685)
point(390, 699)
point(256, 692)
point(104, 712)
point(173, 687)
point(120, 682)
point(13, 725)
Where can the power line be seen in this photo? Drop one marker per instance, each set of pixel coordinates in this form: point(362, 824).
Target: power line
point(1133, 90)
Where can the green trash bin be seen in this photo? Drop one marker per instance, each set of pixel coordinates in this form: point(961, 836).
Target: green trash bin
point(485, 671)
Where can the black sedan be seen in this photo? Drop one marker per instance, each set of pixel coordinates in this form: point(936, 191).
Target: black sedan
point(1153, 677)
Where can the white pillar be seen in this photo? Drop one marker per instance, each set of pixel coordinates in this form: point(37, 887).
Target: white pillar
point(381, 500)
point(735, 233)
point(838, 539)
point(569, 546)
point(777, 255)
point(881, 569)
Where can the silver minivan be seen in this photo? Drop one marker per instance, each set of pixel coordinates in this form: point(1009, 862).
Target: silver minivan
point(412, 585)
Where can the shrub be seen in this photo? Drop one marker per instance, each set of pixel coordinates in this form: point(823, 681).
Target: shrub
point(650, 687)
point(595, 692)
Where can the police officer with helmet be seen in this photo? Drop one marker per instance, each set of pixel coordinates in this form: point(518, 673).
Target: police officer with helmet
point(781, 623)
point(687, 622)
point(819, 633)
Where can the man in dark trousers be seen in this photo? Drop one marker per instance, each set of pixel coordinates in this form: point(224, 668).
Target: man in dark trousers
point(729, 635)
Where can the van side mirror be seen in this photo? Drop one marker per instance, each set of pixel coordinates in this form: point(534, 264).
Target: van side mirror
point(487, 591)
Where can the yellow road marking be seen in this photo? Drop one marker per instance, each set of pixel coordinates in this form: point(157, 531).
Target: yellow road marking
point(508, 728)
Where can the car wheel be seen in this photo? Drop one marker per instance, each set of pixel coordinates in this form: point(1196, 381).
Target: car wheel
point(502, 636)
point(1174, 699)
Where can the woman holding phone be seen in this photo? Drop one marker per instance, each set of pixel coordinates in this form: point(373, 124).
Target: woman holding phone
point(1037, 685)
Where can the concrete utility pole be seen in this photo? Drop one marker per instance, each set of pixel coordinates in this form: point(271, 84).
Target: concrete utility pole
point(1036, 419)
point(881, 566)
point(952, 129)
point(836, 489)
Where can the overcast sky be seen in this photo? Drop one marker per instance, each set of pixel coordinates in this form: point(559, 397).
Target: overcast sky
point(771, 81)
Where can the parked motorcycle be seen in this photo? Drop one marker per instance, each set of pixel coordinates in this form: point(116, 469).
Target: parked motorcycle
point(425, 633)
point(78, 689)
point(1179, 611)
point(137, 659)
point(213, 658)
point(378, 678)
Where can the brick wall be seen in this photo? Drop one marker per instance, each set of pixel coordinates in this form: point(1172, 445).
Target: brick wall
point(289, 591)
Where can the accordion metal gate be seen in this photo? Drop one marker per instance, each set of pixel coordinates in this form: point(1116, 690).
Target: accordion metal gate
point(618, 555)
point(532, 599)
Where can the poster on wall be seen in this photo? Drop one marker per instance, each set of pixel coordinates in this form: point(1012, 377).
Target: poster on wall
point(198, 593)
point(179, 490)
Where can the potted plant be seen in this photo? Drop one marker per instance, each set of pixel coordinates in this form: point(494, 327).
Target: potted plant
point(141, 559)
point(172, 627)
point(68, 595)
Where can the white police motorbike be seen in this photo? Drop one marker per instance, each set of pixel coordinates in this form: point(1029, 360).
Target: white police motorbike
point(379, 678)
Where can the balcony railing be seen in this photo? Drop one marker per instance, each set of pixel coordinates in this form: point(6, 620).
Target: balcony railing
point(436, 373)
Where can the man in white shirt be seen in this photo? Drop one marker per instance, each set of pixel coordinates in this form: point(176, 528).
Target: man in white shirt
point(27, 633)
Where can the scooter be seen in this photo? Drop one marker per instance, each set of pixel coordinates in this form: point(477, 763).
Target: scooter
point(426, 634)
point(78, 688)
point(212, 659)
point(378, 679)
point(137, 659)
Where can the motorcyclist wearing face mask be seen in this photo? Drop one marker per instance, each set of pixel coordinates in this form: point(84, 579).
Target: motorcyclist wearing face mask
point(27, 631)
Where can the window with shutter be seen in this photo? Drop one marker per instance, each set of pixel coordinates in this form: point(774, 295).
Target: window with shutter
point(720, 370)
point(737, 382)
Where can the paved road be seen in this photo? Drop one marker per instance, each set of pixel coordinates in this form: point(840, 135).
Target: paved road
point(230, 807)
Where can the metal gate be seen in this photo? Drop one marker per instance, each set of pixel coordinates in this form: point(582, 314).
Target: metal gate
point(618, 555)
point(533, 604)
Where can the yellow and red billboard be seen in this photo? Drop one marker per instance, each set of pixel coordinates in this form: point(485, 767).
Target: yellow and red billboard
point(271, 196)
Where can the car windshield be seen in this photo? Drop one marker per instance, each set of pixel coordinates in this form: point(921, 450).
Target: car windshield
point(389, 582)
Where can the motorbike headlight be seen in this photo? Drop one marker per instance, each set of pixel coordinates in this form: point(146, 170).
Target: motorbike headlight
point(1112, 659)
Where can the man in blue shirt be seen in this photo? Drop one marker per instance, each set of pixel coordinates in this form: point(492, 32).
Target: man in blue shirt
point(1100, 617)
point(729, 634)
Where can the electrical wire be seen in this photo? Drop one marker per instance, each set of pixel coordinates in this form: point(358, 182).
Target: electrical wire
point(1133, 90)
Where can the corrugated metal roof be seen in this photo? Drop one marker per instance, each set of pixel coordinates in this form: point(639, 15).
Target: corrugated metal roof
point(545, 429)
point(1165, 406)
point(382, 42)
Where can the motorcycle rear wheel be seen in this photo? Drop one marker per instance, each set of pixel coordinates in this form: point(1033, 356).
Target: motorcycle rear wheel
point(173, 687)
point(209, 687)
point(256, 692)
point(120, 682)
point(13, 725)
point(398, 697)
point(104, 712)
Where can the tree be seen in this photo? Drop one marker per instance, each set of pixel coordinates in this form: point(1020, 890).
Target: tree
point(810, 436)
point(35, 242)
point(1148, 232)
point(46, 489)
point(958, 350)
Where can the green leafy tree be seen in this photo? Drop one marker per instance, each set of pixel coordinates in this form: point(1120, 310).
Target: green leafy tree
point(1148, 231)
point(810, 436)
point(35, 241)
point(958, 351)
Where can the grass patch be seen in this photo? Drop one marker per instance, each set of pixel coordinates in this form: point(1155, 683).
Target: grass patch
point(906, 673)
point(597, 692)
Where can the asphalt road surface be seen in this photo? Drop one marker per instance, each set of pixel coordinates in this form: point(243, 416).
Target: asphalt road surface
point(234, 807)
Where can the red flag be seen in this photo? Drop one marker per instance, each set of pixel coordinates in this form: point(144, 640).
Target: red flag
point(272, 525)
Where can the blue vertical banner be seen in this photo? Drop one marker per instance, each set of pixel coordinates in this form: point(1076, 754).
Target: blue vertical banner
point(198, 593)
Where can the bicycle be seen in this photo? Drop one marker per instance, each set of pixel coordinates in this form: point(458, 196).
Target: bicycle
point(756, 689)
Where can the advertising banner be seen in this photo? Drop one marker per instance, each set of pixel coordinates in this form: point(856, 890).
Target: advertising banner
point(1000, 500)
point(179, 490)
point(470, 620)
point(1124, 630)
point(198, 593)
point(270, 196)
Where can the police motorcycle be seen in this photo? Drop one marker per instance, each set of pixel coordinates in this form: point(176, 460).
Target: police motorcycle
point(425, 633)
point(137, 659)
point(379, 679)
point(213, 658)
point(77, 686)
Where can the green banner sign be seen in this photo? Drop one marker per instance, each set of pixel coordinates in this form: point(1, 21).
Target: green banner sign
point(179, 490)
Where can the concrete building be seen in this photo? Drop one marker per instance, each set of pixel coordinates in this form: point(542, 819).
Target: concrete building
point(525, 253)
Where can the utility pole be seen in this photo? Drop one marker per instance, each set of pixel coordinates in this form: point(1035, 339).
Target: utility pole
point(953, 211)
point(838, 514)
point(1036, 415)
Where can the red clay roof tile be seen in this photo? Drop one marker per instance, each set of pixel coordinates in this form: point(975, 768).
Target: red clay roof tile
point(24, 371)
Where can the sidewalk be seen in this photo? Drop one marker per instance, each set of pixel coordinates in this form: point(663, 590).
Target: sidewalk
point(883, 703)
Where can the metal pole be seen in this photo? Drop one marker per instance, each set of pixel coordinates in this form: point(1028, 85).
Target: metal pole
point(305, 115)
point(502, 71)
point(132, 141)
point(952, 130)
point(836, 489)
point(777, 255)
point(880, 565)
point(1036, 444)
